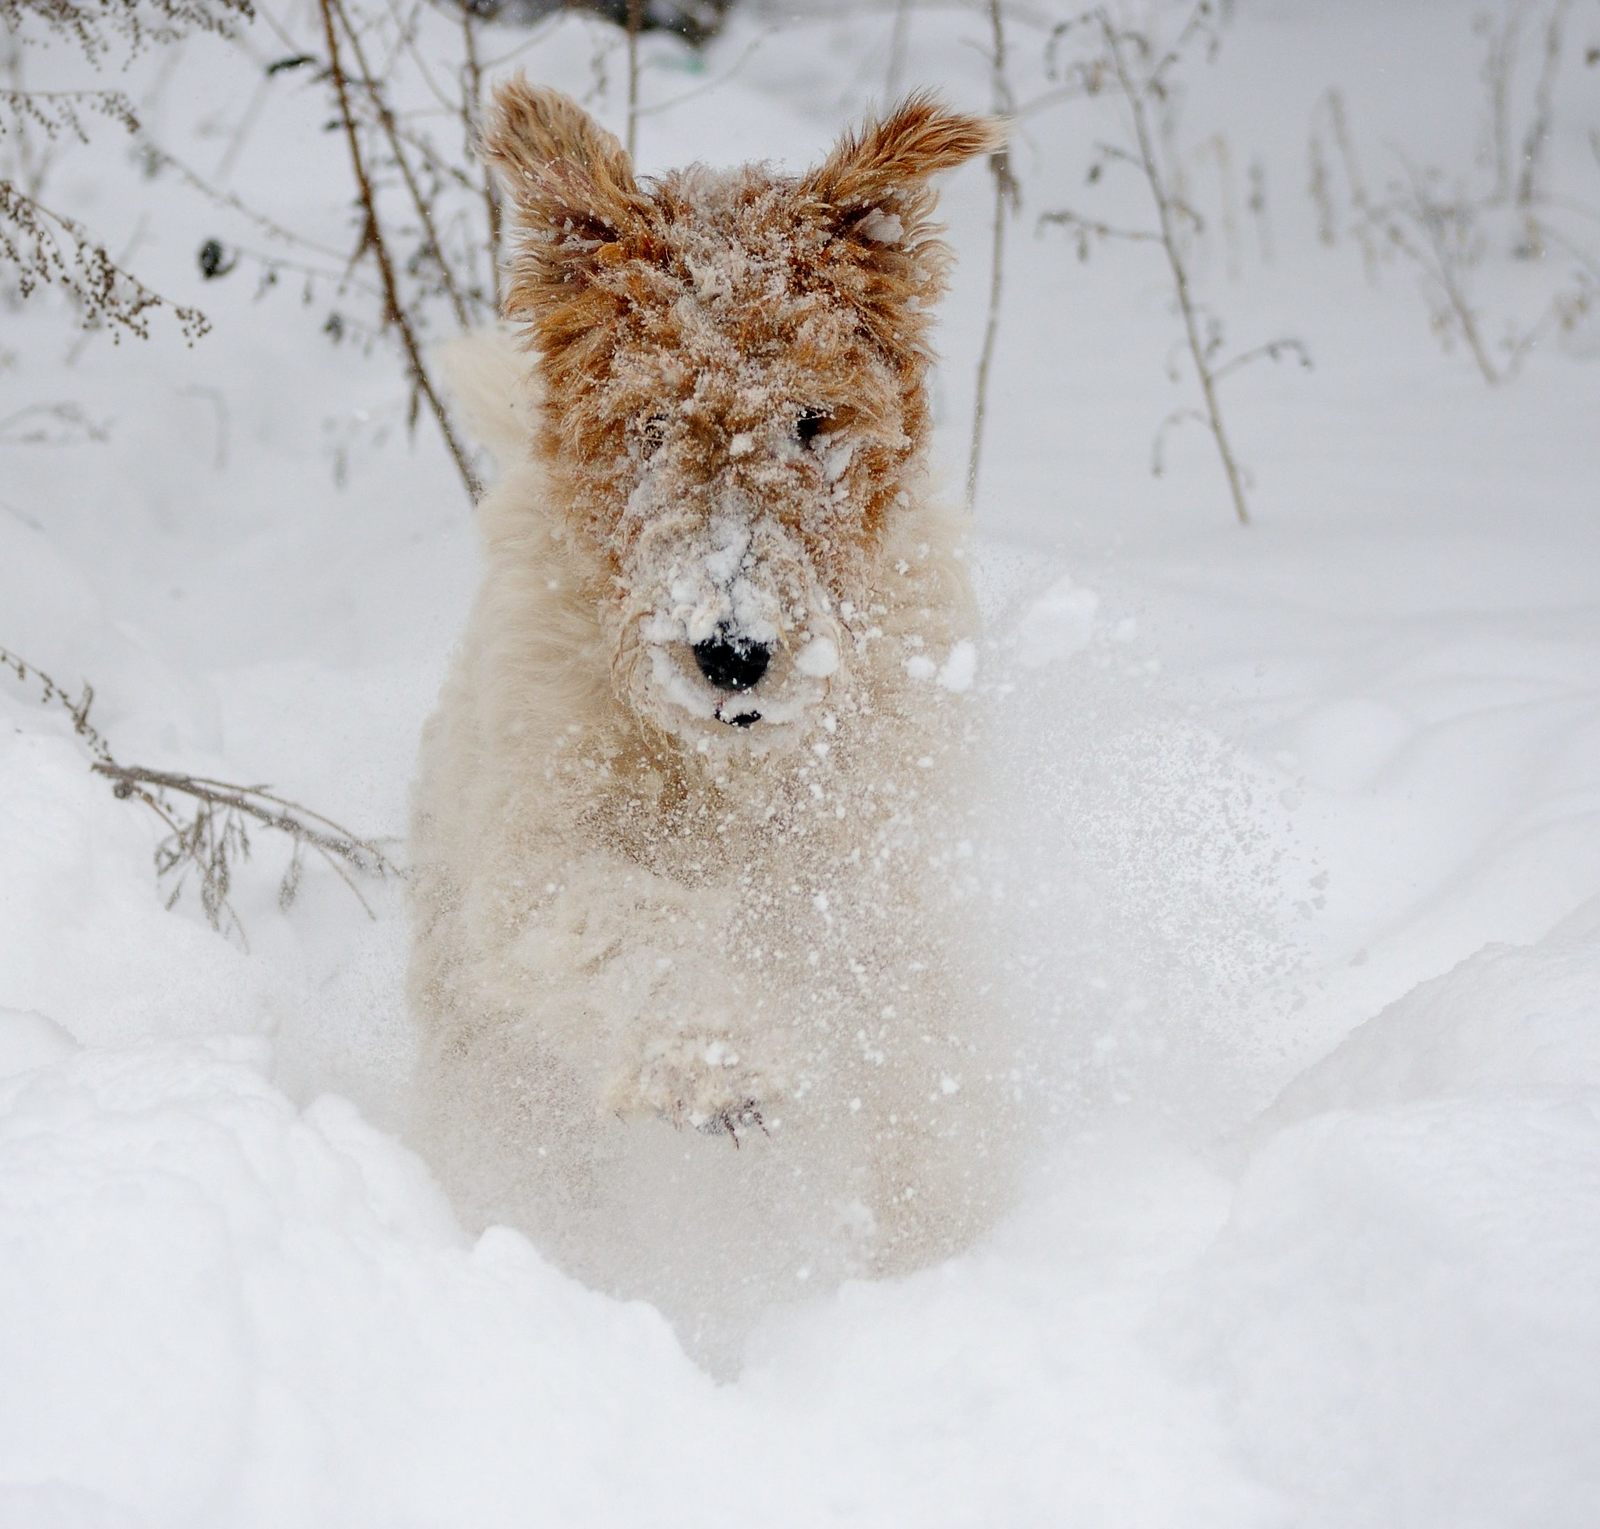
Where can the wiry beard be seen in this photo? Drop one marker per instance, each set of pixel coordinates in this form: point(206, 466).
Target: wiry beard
point(689, 579)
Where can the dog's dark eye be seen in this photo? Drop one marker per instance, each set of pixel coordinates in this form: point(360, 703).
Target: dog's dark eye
point(809, 425)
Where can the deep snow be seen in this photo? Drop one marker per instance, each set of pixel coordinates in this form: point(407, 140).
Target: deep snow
point(1295, 858)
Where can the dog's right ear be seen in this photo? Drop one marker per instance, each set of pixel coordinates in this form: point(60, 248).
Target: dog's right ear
point(569, 186)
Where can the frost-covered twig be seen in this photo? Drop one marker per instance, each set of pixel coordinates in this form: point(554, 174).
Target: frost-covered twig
point(209, 821)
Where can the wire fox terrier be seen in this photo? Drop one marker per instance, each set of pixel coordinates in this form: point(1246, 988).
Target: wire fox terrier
point(691, 836)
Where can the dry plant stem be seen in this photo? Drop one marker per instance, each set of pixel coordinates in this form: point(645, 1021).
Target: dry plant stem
point(471, 105)
point(1355, 181)
point(258, 804)
point(380, 106)
point(1498, 67)
point(1257, 204)
point(1005, 199)
point(1438, 260)
point(215, 834)
point(372, 238)
point(635, 22)
point(1538, 136)
point(1180, 273)
point(1095, 226)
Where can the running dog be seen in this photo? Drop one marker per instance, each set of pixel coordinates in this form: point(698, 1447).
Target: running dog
point(691, 839)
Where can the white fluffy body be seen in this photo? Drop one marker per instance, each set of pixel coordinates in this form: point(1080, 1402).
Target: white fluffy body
point(620, 932)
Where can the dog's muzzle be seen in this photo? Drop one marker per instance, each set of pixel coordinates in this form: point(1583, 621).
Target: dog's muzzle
point(727, 638)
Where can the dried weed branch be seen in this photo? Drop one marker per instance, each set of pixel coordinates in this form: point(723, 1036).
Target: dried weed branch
point(471, 121)
point(45, 248)
point(136, 23)
point(1449, 226)
point(1007, 202)
point(63, 113)
point(1128, 62)
point(373, 241)
point(208, 821)
point(1441, 237)
point(635, 21)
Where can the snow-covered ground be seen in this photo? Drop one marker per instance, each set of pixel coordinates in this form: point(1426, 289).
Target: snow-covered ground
point(1296, 847)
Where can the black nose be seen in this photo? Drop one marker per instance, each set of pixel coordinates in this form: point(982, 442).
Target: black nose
point(731, 663)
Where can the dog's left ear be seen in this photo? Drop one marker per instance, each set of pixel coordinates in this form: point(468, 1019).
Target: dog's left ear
point(874, 187)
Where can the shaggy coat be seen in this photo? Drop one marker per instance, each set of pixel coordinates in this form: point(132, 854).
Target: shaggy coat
point(647, 896)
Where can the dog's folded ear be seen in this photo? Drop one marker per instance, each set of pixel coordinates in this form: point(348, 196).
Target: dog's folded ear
point(567, 182)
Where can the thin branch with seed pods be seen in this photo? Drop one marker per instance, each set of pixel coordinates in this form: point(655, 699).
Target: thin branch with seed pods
point(31, 240)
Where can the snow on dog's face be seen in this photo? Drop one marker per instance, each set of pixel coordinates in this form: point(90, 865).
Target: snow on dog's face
point(734, 381)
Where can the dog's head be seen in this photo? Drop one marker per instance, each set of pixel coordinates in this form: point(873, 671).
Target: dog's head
point(735, 408)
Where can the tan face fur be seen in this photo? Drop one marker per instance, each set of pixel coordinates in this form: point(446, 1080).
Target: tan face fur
point(733, 366)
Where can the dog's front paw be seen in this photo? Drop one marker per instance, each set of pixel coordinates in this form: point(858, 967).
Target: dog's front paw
point(696, 1080)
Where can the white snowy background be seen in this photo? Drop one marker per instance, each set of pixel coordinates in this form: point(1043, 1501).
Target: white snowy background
point(1296, 846)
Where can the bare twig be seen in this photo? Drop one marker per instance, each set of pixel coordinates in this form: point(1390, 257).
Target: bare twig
point(1085, 227)
point(1499, 65)
point(1273, 350)
point(471, 107)
point(32, 426)
point(1445, 229)
point(372, 239)
point(211, 833)
point(1257, 203)
point(1118, 62)
point(373, 88)
point(635, 22)
point(1538, 134)
point(1355, 182)
point(1007, 200)
point(1135, 93)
